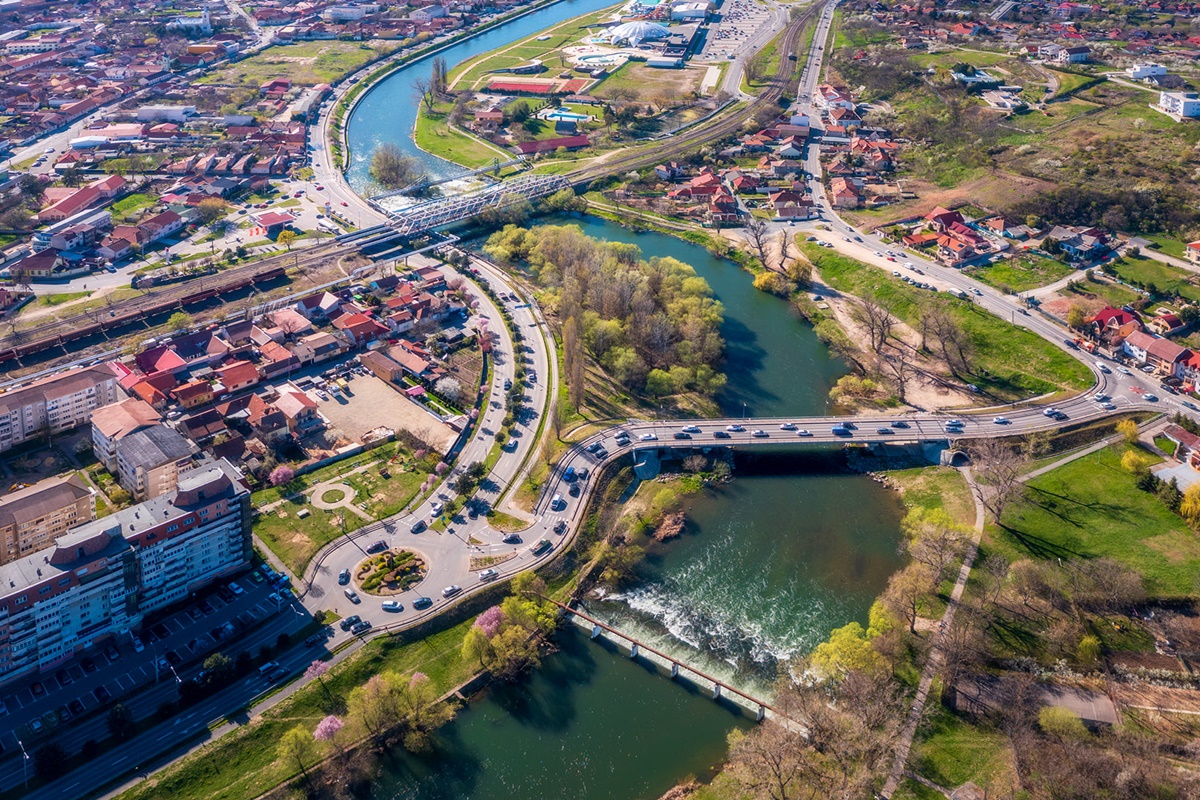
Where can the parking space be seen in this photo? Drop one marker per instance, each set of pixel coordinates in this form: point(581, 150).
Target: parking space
point(738, 22)
point(172, 646)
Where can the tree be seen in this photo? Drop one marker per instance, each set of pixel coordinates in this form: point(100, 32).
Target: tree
point(933, 540)
point(297, 745)
point(756, 67)
point(423, 88)
point(1189, 507)
point(375, 705)
point(847, 650)
point(1134, 462)
point(773, 283)
point(49, 760)
point(998, 471)
point(785, 250)
point(392, 169)
point(218, 669)
point(1128, 428)
point(286, 238)
point(328, 729)
point(758, 235)
point(1061, 722)
point(120, 722)
point(210, 210)
point(876, 316)
point(905, 591)
point(800, 271)
point(281, 475)
point(450, 389)
point(1076, 317)
point(179, 321)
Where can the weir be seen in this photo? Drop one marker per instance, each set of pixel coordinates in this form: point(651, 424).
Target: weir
point(720, 689)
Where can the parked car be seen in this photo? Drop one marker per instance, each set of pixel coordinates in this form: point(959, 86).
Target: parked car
point(349, 622)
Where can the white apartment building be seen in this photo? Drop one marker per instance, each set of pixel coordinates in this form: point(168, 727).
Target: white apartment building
point(104, 576)
point(1181, 105)
point(55, 404)
point(1141, 72)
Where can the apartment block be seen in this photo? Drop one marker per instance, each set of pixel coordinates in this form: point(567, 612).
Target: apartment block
point(33, 517)
point(55, 404)
point(102, 577)
point(150, 461)
point(112, 423)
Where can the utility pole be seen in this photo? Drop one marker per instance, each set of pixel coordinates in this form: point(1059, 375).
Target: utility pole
point(25, 761)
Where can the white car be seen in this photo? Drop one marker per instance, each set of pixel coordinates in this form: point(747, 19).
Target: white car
point(321, 394)
point(1124, 370)
point(436, 508)
point(648, 437)
point(804, 432)
point(691, 429)
point(759, 434)
point(392, 605)
point(788, 426)
point(1001, 420)
point(489, 574)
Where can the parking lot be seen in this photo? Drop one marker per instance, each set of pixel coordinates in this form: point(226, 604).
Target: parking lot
point(372, 404)
point(738, 21)
point(171, 648)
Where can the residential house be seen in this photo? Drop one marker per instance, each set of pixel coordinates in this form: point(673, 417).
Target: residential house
point(1165, 323)
point(237, 375)
point(300, 410)
point(1165, 356)
point(268, 422)
point(193, 394)
point(1080, 244)
point(361, 328)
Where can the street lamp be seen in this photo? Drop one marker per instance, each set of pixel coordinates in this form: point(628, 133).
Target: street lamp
point(25, 761)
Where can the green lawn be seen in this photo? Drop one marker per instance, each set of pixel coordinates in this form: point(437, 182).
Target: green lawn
point(1144, 272)
point(244, 764)
point(1092, 508)
point(59, 299)
point(433, 134)
point(770, 56)
point(1018, 363)
point(936, 487)
point(949, 751)
point(1168, 245)
point(128, 206)
point(1021, 273)
point(304, 63)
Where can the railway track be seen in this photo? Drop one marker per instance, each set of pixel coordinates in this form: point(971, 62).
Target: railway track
point(724, 125)
point(97, 320)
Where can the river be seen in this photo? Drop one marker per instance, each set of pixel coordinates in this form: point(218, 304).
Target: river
point(388, 112)
point(770, 563)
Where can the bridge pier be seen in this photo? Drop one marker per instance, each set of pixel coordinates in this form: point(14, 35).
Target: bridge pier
point(597, 631)
point(762, 713)
point(674, 670)
point(633, 653)
point(716, 691)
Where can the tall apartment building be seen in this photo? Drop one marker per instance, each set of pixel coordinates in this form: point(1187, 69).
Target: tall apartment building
point(54, 404)
point(104, 576)
point(33, 517)
point(112, 423)
point(150, 461)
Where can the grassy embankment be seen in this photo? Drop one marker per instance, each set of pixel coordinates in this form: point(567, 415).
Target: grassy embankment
point(1009, 362)
point(1021, 273)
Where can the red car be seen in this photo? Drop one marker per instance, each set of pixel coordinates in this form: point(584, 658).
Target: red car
point(320, 188)
point(345, 204)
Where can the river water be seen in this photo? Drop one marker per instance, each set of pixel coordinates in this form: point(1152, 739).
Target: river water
point(388, 112)
point(768, 565)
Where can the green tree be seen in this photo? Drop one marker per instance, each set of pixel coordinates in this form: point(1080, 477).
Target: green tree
point(659, 383)
point(392, 169)
point(1088, 651)
point(1076, 317)
point(286, 238)
point(847, 650)
point(1062, 722)
point(120, 722)
point(1128, 429)
point(180, 320)
point(218, 669)
point(297, 745)
point(210, 210)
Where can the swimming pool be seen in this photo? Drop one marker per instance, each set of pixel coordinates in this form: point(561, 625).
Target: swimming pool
point(565, 115)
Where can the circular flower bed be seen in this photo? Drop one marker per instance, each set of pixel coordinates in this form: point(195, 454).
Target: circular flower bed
point(390, 572)
point(332, 496)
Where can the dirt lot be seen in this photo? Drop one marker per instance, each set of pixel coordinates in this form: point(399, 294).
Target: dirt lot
point(375, 404)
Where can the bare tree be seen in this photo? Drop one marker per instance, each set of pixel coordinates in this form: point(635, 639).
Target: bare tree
point(898, 362)
point(876, 316)
point(756, 230)
point(998, 470)
point(424, 90)
point(785, 250)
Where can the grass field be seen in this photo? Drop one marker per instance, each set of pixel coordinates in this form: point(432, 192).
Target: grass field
point(1168, 245)
point(1092, 508)
point(59, 299)
point(1022, 273)
point(949, 751)
point(244, 764)
point(1139, 270)
point(433, 134)
point(936, 487)
point(661, 86)
point(1018, 363)
point(570, 32)
point(303, 63)
point(131, 205)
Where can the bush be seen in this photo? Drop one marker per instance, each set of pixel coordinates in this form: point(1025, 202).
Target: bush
point(1061, 722)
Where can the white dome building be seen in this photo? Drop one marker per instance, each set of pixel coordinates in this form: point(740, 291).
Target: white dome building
point(634, 33)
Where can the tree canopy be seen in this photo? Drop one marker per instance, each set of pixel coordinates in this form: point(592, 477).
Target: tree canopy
point(392, 169)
